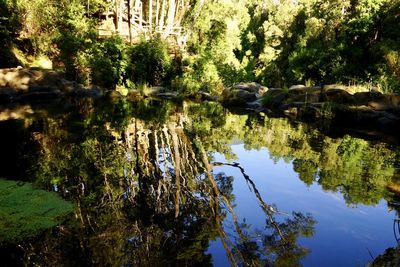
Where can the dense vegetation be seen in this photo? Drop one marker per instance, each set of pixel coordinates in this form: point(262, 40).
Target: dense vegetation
point(277, 43)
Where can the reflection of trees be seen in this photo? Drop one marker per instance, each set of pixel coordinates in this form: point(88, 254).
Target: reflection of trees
point(359, 169)
point(143, 189)
point(279, 246)
point(144, 192)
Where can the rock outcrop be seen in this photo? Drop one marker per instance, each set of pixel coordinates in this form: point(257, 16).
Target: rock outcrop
point(18, 84)
point(331, 102)
point(243, 93)
point(367, 108)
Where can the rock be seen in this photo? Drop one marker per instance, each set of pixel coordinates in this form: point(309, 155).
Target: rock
point(167, 95)
point(362, 98)
point(42, 89)
point(245, 95)
point(93, 91)
point(255, 105)
point(207, 97)
point(388, 120)
point(32, 84)
point(310, 112)
point(39, 96)
point(338, 96)
point(17, 112)
point(334, 87)
point(274, 98)
point(297, 86)
point(291, 111)
point(154, 90)
point(380, 106)
point(237, 97)
point(68, 86)
point(305, 90)
point(251, 87)
point(305, 97)
point(272, 92)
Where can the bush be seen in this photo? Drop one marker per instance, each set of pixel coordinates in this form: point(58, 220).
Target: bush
point(150, 62)
point(108, 62)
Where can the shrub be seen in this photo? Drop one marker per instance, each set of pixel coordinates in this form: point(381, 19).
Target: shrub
point(108, 62)
point(150, 62)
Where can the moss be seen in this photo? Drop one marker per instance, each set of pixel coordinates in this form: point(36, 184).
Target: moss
point(26, 211)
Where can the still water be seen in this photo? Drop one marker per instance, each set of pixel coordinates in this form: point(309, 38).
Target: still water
point(189, 184)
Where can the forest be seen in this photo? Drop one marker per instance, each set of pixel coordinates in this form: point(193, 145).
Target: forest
point(194, 45)
point(200, 132)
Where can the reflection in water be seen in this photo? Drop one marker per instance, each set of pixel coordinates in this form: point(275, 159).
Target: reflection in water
point(141, 179)
point(396, 230)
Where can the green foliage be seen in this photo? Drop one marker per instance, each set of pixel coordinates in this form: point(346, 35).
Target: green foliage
point(202, 75)
point(150, 62)
point(9, 26)
point(327, 42)
point(108, 62)
point(211, 61)
point(75, 39)
point(26, 211)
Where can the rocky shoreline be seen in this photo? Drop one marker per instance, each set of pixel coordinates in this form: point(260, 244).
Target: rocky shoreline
point(331, 103)
point(22, 85)
point(327, 103)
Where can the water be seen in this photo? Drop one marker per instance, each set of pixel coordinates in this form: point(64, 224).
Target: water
point(161, 183)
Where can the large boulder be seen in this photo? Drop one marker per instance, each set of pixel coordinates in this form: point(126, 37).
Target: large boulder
point(18, 84)
point(304, 97)
point(274, 98)
point(297, 87)
point(23, 79)
point(92, 91)
point(338, 96)
point(362, 98)
point(207, 96)
point(167, 95)
point(238, 97)
point(251, 87)
point(299, 90)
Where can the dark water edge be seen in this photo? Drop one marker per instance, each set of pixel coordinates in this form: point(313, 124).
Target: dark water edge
point(161, 183)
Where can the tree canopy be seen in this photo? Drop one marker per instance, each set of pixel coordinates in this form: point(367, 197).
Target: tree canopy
point(220, 42)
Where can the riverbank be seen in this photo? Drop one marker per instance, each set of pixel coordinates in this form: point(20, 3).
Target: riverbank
point(23, 85)
point(332, 104)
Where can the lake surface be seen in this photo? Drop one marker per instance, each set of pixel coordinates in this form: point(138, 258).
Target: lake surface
point(193, 184)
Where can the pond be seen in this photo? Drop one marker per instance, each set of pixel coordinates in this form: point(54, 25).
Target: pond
point(193, 184)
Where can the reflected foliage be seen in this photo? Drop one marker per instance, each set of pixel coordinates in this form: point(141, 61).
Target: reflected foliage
point(141, 177)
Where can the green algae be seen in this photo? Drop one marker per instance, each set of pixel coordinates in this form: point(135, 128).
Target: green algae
point(26, 211)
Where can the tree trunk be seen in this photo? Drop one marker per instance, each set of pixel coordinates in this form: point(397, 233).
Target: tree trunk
point(161, 25)
point(170, 18)
point(130, 21)
point(150, 17)
point(116, 2)
point(157, 12)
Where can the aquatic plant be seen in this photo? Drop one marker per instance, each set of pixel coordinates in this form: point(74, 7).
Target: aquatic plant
point(26, 211)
